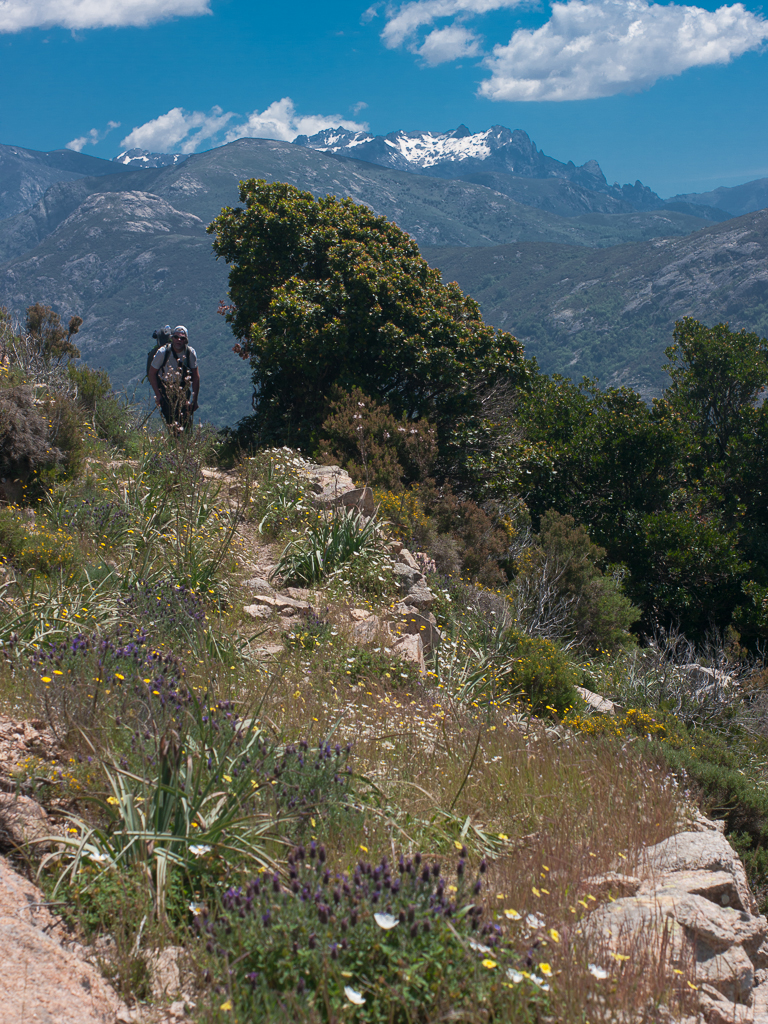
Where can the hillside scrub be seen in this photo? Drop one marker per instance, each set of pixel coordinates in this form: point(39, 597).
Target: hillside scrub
point(203, 762)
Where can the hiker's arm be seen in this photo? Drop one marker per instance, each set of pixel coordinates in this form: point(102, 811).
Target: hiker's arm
point(152, 378)
point(195, 374)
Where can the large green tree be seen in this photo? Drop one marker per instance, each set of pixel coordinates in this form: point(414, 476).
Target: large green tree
point(324, 294)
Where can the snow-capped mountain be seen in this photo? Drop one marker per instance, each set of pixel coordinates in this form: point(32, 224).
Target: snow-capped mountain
point(460, 153)
point(142, 158)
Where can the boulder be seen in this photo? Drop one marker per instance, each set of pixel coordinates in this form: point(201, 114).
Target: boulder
point(21, 820)
point(41, 980)
point(420, 597)
point(699, 851)
point(257, 585)
point(596, 702)
point(612, 883)
point(406, 576)
point(406, 558)
point(281, 602)
point(258, 611)
point(410, 648)
point(414, 622)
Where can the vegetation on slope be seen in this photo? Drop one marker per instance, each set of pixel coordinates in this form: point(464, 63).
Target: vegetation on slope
point(327, 833)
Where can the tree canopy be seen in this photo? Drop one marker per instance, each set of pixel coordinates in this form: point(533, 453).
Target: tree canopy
point(324, 293)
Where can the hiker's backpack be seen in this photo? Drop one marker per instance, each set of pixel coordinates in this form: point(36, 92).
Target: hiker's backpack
point(162, 337)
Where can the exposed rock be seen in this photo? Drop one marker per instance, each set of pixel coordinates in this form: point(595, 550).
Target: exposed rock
point(420, 596)
point(260, 586)
point(612, 883)
point(359, 614)
point(43, 982)
point(413, 622)
point(165, 972)
point(693, 905)
point(405, 576)
point(410, 648)
point(328, 480)
point(281, 602)
point(367, 631)
point(298, 593)
point(596, 702)
point(21, 820)
point(699, 851)
point(406, 558)
point(258, 611)
point(395, 547)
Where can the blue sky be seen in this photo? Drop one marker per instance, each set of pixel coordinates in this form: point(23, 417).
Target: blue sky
point(673, 95)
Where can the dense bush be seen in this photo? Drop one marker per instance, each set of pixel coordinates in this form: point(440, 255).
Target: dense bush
point(392, 942)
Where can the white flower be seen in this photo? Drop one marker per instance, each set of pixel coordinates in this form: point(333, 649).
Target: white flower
point(100, 858)
point(199, 850)
point(353, 995)
point(479, 947)
point(509, 913)
point(514, 976)
point(597, 972)
point(385, 921)
point(540, 982)
point(534, 921)
point(196, 908)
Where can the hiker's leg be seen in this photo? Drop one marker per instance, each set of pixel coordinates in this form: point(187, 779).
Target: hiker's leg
point(165, 406)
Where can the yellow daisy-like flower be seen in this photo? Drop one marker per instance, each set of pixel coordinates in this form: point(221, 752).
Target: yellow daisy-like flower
point(489, 964)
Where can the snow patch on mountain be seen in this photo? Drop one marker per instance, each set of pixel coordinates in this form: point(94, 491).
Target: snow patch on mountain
point(142, 158)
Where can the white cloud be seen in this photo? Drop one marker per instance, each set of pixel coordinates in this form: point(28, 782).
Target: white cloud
point(93, 136)
point(587, 48)
point(186, 130)
point(16, 15)
point(280, 121)
point(362, 105)
point(178, 128)
point(450, 43)
point(603, 47)
point(404, 22)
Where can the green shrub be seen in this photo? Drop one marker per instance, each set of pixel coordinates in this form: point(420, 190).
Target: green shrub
point(65, 431)
point(28, 542)
point(24, 436)
point(390, 943)
point(329, 542)
point(92, 385)
point(543, 672)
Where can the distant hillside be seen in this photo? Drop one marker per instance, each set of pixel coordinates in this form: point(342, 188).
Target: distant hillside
point(610, 312)
point(740, 199)
point(26, 175)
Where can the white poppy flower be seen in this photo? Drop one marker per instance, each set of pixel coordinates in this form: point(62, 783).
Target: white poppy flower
point(597, 972)
point(353, 995)
point(514, 975)
point(479, 947)
point(385, 921)
point(199, 849)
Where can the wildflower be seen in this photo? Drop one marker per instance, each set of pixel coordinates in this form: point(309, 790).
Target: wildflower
point(619, 956)
point(353, 995)
point(479, 947)
point(112, 800)
point(597, 972)
point(511, 915)
point(534, 921)
point(514, 975)
point(227, 1005)
point(199, 849)
point(196, 908)
point(385, 921)
point(545, 969)
point(100, 858)
point(489, 964)
point(554, 934)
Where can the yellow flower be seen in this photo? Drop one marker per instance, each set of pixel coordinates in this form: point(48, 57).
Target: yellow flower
point(554, 934)
point(112, 800)
point(489, 964)
point(227, 1005)
point(545, 969)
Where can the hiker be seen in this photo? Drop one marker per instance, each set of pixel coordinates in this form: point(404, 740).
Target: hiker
point(172, 370)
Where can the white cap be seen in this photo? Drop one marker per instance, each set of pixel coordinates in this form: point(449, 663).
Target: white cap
point(181, 330)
